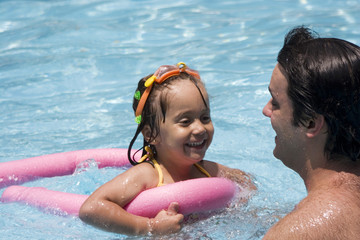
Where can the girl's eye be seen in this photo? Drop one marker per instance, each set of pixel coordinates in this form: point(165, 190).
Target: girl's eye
point(206, 118)
point(185, 121)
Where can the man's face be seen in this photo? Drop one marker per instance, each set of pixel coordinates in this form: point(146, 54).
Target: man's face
point(289, 138)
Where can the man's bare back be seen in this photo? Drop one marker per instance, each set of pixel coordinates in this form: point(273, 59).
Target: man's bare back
point(331, 211)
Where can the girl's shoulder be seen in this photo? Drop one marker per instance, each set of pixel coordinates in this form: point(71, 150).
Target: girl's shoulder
point(211, 167)
point(144, 174)
point(218, 170)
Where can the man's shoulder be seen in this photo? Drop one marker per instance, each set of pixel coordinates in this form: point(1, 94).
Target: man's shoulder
point(330, 204)
point(323, 214)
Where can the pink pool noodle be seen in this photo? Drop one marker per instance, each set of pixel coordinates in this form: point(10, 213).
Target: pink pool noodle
point(58, 164)
point(195, 195)
point(69, 203)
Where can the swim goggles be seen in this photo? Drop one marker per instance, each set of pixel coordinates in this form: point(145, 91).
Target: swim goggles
point(162, 73)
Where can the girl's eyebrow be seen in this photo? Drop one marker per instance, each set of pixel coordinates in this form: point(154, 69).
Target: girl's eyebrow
point(190, 112)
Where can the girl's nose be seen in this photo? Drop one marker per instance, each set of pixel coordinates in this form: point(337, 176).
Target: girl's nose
point(199, 128)
point(267, 109)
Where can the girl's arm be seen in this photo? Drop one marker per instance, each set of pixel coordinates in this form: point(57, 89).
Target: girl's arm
point(104, 208)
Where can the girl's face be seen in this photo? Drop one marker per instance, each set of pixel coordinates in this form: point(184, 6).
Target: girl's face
point(187, 130)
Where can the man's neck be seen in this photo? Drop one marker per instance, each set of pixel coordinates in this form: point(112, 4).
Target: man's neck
point(331, 173)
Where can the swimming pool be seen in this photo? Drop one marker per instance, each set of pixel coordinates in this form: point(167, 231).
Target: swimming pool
point(68, 70)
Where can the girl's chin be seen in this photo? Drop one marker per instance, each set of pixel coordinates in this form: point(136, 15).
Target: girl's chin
point(195, 156)
point(197, 153)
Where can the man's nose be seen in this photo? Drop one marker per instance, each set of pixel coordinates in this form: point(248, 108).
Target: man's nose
point(267, 110)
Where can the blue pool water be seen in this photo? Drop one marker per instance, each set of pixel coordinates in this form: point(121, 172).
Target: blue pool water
point(68, 70)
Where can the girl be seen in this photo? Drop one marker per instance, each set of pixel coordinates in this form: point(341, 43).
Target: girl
point(173, 114)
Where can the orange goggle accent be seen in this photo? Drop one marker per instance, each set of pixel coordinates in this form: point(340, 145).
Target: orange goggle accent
point(162, 73)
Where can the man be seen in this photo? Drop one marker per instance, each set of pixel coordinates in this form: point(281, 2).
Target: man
point(315, 112)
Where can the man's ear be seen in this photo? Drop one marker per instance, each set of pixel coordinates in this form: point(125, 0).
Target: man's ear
point(315, 126)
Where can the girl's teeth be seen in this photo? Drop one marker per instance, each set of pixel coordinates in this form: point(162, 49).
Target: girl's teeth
point(195, 144)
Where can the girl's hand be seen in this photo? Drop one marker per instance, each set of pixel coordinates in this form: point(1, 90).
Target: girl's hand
point(167, 221)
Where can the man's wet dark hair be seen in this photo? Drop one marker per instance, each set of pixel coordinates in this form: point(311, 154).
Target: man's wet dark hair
point(323, 77)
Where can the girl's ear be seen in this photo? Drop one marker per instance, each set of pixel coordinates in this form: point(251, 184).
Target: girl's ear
point(315, 126)
point(146, 132)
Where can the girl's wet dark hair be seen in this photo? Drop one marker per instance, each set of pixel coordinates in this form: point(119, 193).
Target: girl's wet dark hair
point(156, 101)
point(323, 77)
